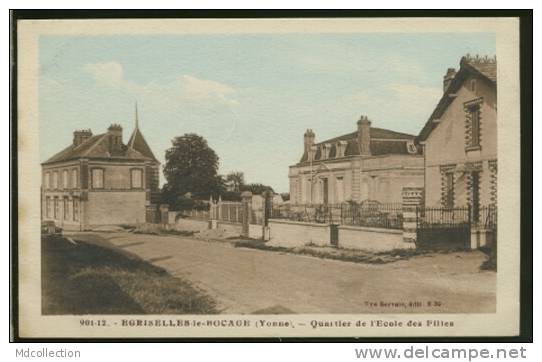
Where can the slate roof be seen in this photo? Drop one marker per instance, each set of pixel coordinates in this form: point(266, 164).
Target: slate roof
point(138, 143)
point(383, 142)
point(482, 66)
point(97, 147)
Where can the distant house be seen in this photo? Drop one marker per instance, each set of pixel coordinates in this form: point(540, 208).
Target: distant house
point(460, 139)
point(258, 201)
point(368, 164)
point(99, 180)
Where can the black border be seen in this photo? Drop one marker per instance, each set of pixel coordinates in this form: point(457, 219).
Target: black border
point(526, 96)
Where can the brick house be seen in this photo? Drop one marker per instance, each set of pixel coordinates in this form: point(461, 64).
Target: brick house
point(99, 180)
point(368, 164)
point(460, 139)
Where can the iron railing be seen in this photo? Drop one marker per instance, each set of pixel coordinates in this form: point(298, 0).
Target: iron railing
point(313, 213)
point(437, 217)
point(373, 214)
point(367, 213)
point(487, 217)
point(229, 211)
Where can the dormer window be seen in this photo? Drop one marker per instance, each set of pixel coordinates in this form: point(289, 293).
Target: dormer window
point(312, 152)
point(326, 147)
point(341, 148)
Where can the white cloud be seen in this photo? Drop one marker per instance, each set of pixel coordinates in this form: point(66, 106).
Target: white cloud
point(109, 73)
point(194, 88)
point(186, 88)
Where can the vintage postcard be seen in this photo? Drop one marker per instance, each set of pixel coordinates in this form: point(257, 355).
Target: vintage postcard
point(322, 177)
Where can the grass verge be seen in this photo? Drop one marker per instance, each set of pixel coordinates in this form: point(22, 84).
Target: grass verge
point(159, 229)
point(350, 255)
point(91, 279)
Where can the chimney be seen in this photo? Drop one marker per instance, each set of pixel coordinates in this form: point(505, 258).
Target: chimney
point(308, 138)
point(447, 80)
point(364, 136)
point(114, 133)
point(80, 136)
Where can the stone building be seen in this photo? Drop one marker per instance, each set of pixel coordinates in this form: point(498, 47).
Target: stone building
point(99, 180)
point(460, 138)
point(368, 164)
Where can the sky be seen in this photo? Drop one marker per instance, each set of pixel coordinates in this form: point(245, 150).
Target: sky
point(251, 96)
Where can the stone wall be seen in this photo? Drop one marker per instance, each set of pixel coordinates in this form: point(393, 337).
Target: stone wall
point(255, 231)
point(194, 225)
point(373, 239)
point(233, 228)
point(292, 233)
point(115, 207)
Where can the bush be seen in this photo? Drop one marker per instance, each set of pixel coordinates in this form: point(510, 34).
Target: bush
point(186, 203)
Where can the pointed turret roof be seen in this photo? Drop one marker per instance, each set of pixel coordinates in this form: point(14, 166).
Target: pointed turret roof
point(137, 141)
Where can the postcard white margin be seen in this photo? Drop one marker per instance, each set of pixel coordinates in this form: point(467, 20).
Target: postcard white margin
point(505, 322)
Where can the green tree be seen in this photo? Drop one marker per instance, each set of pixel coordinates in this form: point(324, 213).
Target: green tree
point(237, 178)
point(191, 167)
point(256, 188)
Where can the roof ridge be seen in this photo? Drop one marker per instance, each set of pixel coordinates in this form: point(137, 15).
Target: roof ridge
point(352, 135)
point(94, 145)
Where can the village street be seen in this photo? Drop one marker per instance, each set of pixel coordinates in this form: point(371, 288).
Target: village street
point(248, 281)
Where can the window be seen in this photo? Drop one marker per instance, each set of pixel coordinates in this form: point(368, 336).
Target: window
point(325, 190)
point(340, 189)
point(65, 183)
point(473, 85)
point(48, 207)
point(74, 178)
point(46, 181)
point(56, 209)
point(97, 178)
point(55, 180)
point(449, 190)
point(66, 206)
point(136, 178)
point(475, 126)
point(472, 109)
point(75, 209)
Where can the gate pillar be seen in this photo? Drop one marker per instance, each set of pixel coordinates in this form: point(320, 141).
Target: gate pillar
point(267, 213)
point(246, 198)
point(412, 200)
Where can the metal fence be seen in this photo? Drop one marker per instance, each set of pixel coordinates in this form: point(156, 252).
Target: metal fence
point(486, 218)
point(437, 217)
point(229, 211)
point(373, 214)
point(321, 213)
point(367, 213)
point(196, 214)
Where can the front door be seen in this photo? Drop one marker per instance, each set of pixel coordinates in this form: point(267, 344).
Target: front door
point(325, 190)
